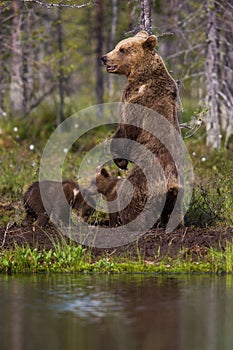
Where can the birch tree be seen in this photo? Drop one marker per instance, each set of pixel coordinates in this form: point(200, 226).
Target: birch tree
point(16, 84)
point(203, 59)
point(112, 42)
point(2, 68)
point(60, 112)
point(145, 18)
point(226, 74)
point(99, 50)
point(219, 73)
point(29, 58)
point(212, 77)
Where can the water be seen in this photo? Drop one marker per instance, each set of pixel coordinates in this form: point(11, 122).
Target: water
point(111, 312)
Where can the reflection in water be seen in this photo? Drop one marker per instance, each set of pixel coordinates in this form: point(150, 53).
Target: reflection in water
point(104, 312)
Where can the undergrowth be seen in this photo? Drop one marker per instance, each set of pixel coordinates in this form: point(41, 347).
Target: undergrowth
point(66, 257)
point(213, 190)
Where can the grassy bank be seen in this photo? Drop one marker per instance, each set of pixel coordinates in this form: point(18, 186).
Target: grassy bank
point(70, 258)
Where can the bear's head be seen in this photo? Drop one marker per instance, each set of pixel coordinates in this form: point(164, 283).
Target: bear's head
point(102, 182)
point(129, 53)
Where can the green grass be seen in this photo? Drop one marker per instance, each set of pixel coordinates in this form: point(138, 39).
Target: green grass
point(70, 258)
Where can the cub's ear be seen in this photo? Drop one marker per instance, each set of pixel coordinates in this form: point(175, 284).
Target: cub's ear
point(150, 42)
point(104, 172)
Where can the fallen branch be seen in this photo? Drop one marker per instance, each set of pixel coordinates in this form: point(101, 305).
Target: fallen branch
point(5, 233)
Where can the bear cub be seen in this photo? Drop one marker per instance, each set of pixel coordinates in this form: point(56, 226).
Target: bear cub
point(107, 184)
point(54, 202)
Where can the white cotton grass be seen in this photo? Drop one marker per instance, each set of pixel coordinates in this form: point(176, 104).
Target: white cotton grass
point(15, 129)
point(31, 147)
point(203, 159)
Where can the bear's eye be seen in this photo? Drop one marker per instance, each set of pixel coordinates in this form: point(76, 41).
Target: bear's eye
point(122, 50)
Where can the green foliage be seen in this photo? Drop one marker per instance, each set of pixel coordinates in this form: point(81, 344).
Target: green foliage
point(66, 257)
point(213, 190)
point(17, 169)
point(222, 261)
point(189, 107)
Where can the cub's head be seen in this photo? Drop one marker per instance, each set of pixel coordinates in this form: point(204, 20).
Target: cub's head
point(99, 182)
point(102, 182)
point(129, 53)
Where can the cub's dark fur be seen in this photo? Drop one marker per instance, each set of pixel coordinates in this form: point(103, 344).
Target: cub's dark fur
point(53, 201)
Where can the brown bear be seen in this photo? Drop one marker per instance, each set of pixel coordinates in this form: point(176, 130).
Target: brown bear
point(107, 184)
point(54, 202)
point(149, 118)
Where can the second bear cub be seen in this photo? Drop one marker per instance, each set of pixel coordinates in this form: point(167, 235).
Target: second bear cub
point(53, 201)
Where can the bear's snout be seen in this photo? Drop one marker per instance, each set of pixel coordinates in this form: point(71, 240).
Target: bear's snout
point(104, 59)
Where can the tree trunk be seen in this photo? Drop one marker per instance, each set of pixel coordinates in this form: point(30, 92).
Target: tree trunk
point(226, 78)
point(28, 61)
point(16, 84)
point(2, 75)
point(145, 17)
point(60, 112)
point(212, 78)
point(46, 83)
point(99, 50)
point(112, 42)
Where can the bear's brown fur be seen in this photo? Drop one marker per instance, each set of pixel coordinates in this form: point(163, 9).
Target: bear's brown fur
point(151, 86)
point(107, 185)
point(54, 202)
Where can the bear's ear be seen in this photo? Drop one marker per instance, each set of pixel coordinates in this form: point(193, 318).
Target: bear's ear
point(104, 172)
point(150, 42)
point(98, 169)
point(143, 34)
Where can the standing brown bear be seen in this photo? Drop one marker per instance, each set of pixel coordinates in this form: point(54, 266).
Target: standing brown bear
point(54, 202)
point(149, 135)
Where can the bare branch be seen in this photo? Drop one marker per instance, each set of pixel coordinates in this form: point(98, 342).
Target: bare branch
point(192, 15)
point(192, 48)
point(192, 75)
point(194, 125)
point(224, 97)
point(50, 5)
point(165, 34)
point(40, 99)
point(5, 233)
point(229, 94)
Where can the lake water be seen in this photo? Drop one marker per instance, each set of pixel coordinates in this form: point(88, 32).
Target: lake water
point(111, 312)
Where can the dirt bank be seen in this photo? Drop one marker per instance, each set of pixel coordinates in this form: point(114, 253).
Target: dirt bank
point(154, 244)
